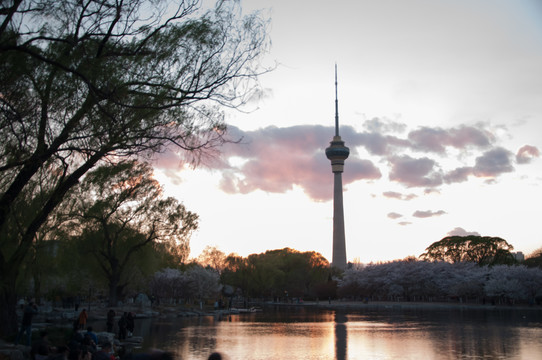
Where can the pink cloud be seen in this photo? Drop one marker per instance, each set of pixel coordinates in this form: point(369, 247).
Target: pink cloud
point(526, 153)
point(279, 158)
point(274, 159)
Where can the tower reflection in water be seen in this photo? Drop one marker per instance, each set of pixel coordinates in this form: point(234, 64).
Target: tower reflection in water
point(340, 336)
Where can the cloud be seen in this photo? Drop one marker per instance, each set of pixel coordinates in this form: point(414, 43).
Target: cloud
point(392, 195)
point(413, 172)
point(376, 143)
point(379, 125)
point(430, 191)
point(404, 223)
point(168, 159)
point(260, 94)
point(394, 215)
point(493, 163)
point(459, 231)
point(526, 153)
point(428, 213)
point(437, 139)
point(398, 196)
point(276, 160)
point(458, 175)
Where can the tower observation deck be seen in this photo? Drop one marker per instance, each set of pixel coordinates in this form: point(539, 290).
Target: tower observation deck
point(337, 153)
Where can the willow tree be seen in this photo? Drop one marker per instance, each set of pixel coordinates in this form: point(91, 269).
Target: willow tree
point(86, 80)
point(118, 212)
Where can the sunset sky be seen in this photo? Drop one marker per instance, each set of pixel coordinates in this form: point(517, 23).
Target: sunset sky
point(440, 103)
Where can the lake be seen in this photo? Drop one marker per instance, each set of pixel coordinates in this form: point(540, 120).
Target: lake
point(384, 333)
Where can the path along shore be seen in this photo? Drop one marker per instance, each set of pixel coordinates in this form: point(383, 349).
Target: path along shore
point(391, 305)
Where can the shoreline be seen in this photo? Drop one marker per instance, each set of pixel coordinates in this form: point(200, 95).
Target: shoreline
point(98, 312)
point(405, 305)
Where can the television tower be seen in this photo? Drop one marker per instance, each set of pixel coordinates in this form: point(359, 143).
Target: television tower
point(337, 153)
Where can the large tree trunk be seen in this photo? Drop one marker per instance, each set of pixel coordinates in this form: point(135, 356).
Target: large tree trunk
point(115, 288)
point(8, 303)
point(9, 267)
point(113, 284)
point(37, 287)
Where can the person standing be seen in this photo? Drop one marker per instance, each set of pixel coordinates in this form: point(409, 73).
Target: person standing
point(122, 327)
point(26, 325)
point(110, 320)
point(130, 323)
point(83, 316)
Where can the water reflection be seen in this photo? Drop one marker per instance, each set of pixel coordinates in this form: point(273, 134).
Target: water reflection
point(341, 342)
point(300, 333)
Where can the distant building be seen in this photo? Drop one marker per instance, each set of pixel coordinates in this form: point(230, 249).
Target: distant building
point(518, 256)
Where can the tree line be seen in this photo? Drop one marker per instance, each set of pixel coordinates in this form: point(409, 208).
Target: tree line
point(275, 275)
point(288, 275)
point(459, 268)
point(413, 280)
point(279, 274)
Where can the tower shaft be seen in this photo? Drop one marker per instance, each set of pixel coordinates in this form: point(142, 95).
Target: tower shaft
point(337, 153)
point(339, 238)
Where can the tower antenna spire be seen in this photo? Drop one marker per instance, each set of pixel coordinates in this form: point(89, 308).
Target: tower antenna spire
point(336, 105)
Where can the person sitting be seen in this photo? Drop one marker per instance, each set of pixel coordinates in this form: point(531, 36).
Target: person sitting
point(61, 353)
point(89, 343)
point(41, 348)
point(92, 335)
point(105, 353)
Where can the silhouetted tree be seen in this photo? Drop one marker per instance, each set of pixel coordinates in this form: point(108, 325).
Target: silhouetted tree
point(482, 250)
point(278, 272)
point(82, 81)
point(534, 259)
point(120, 211)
